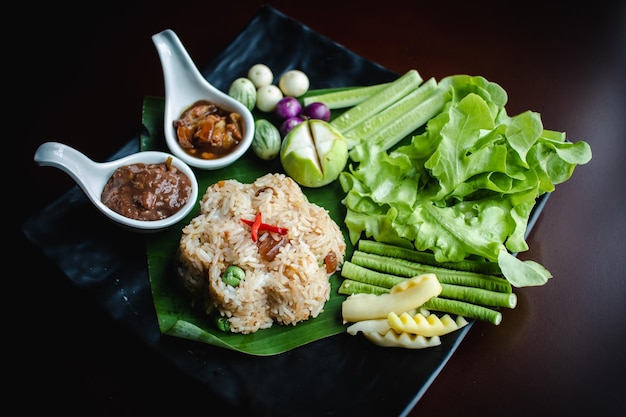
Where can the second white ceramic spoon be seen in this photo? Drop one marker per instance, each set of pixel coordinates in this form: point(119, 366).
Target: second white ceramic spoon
point(185, 85)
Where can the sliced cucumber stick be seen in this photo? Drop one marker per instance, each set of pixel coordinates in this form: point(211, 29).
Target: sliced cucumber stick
point(391, 134)
point(344, 98)
point(378, 102)
point(393, 113)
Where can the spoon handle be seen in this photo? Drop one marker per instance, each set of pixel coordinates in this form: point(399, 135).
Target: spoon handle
point(181, 75)
point(82, 169)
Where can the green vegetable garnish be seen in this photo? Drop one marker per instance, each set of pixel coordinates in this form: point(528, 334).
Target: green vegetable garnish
point(464, 309)
point(314, 153)
point(426, 258)
point(464, 187)
point(468, 294)
point(394, 123)
point(390, 264)
point(222, 323)
point(344, 97)
point(378, 102)
point(267, 140)
point(233, 275)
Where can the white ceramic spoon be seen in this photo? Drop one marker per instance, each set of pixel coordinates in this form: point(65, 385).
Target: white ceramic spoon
point(184, 85)
point(92, 177)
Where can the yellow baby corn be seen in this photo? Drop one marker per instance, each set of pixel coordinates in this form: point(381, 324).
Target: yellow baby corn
point(402, 340)
point(425, 326)
point(405, 296)
point(380, 326)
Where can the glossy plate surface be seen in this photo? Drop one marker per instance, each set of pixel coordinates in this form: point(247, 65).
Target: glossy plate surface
point(338, 375)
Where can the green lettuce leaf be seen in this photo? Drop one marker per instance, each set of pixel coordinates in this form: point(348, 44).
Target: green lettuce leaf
point(522, 273)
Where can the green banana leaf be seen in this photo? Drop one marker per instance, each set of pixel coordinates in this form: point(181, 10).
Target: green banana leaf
point(174, 312)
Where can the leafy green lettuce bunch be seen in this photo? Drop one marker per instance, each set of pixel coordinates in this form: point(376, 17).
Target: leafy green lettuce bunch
point(464, 187)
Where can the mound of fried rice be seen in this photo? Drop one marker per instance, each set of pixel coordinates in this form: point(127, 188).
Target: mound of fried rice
point(291, 287)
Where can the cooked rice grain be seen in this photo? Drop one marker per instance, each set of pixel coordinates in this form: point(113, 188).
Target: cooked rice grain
point(292, 287)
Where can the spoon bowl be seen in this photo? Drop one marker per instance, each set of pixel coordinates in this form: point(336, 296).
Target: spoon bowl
point(92, 176)
point(184, 86)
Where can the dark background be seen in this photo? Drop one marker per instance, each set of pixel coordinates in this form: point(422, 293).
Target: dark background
point(78, 75)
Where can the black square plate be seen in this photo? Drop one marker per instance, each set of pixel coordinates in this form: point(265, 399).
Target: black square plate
point(336, 376)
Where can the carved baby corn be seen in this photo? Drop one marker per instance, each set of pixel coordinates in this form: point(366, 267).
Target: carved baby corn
point(402, 297)
point(425, 326)
point(380, 326)
point(403, 340)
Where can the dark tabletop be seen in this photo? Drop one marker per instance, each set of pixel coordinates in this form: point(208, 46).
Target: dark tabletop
point(87, 68)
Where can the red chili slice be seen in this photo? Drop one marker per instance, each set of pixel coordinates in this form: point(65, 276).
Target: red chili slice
point(265, 226)
point(255, 226)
